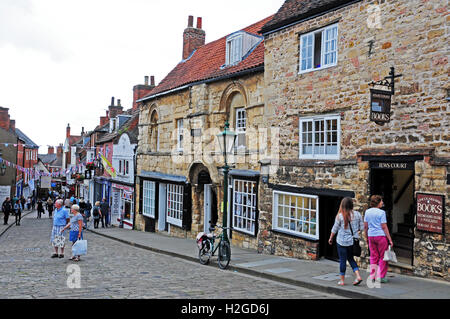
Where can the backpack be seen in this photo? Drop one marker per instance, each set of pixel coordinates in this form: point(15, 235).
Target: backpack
point(95, 212)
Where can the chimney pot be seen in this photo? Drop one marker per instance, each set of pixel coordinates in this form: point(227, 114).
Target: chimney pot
point(190, 21)
point(118, 102)
point(112, 101)
point(152, 80)
point(199, 23)
point(146, 80)
point(68, 130)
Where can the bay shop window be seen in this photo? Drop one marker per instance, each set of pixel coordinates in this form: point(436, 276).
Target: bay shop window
point(244, 213)
point(167, 203)
point(296, 214)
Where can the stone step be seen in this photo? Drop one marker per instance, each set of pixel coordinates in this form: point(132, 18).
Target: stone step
point(403, 252)
point(404, 240)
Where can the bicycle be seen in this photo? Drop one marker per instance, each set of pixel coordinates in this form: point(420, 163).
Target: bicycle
point(207, 248)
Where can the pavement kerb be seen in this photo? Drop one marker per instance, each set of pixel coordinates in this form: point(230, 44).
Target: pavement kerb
point(212, 263)
point(13, 224)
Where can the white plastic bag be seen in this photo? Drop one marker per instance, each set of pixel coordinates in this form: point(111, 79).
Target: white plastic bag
point(79, 248)
point(389, 255)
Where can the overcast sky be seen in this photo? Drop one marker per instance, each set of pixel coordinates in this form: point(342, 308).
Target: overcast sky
point(61, 61)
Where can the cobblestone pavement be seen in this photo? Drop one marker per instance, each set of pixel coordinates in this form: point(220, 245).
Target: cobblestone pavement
point(116, 270)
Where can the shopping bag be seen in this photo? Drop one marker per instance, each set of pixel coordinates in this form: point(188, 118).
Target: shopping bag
point(79, 248)
point(389, 255)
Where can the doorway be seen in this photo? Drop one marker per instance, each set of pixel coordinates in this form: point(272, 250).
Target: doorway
point(397, 189)
point(328, 208)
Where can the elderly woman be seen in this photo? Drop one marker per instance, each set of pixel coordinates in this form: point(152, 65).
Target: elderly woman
point(76, 228)
point(60, 219)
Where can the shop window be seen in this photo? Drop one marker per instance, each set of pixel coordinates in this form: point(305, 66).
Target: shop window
point(296, 214)
point(320, 137)
point(244, 206)
point(318, 49)
point(175, 204)
point(148, 192)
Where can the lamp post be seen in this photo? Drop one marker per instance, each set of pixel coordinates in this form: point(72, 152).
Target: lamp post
point(226, 142)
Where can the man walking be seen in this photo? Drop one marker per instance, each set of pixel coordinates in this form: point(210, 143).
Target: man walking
point(6, 208)
point(104, 208)
point(18, 208)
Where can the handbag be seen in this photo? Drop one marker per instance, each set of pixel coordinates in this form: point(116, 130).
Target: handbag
point(79, 248)
point(356, 246)
point(389, 255)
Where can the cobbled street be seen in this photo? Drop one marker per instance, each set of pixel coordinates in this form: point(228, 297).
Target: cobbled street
point(116, 270)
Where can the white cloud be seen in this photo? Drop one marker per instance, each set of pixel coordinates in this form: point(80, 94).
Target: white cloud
point(61, 61)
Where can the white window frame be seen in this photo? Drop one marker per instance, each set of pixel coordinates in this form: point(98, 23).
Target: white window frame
point(180, 136)
point(241, 126)
point(149, 199)
point(326, 141)
point(234, 49)
point(322, 49)
point(244, 213)
point(288, 230)
point(174, 202)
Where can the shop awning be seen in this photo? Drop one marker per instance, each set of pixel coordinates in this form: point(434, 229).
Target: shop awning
point(163, 177)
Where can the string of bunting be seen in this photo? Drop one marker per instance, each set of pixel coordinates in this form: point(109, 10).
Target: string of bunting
point(36, 174)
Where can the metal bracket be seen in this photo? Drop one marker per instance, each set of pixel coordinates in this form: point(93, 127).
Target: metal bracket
point(389, 81)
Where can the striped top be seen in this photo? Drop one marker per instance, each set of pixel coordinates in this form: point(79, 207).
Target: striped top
point(344, 235)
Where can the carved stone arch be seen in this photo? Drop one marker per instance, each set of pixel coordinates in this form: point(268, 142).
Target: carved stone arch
point(153, 129)
point(232, 89)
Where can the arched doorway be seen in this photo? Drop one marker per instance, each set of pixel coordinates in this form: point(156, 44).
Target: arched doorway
point(204, 200)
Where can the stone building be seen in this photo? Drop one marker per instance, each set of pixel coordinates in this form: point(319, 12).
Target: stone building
point(8, 152)
point(179, 186)
point(335, 140)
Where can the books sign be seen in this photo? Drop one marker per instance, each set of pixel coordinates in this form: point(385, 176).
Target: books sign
point(380, 106)
point(430, 213)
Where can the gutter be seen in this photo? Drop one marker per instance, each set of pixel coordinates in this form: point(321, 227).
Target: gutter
point(207, 81)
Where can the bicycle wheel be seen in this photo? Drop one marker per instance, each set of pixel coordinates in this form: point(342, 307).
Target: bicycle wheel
point(204, 254)
point(224, 256)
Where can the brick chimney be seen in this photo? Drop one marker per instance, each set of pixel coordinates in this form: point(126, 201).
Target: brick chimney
point(114, 109)
point(51, 150)
point(141, 90)
point(68, 131)
point(193, 38)
point(4, 118)
point(59, 149)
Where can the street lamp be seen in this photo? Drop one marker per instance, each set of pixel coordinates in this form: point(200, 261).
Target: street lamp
point(226, 141)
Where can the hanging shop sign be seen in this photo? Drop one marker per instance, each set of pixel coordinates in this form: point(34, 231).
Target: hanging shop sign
point(380, 106)
point(380, 100)
point(430, 213)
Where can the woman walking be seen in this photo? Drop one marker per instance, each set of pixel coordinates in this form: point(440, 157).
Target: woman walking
point(60, 220)
point(76, 228)
point(96, 213)
point(50, 207)
point(378, 236)
point(347, 226)
point(40, 208)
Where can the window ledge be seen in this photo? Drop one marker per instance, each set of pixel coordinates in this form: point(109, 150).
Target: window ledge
point(299, 236)
point(317, 69)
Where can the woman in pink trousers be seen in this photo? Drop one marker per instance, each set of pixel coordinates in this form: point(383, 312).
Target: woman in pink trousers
point(378, 237)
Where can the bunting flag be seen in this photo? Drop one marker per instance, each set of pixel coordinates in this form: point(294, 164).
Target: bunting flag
point(107, 165)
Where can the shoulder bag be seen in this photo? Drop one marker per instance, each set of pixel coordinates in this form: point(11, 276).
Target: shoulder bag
point(356, 246)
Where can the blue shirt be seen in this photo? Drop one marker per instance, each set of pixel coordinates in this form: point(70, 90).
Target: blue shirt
point(60, 217)
point(375, 217)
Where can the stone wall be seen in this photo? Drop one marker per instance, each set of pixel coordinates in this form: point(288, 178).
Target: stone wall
point(411, 37)
point(202, 107)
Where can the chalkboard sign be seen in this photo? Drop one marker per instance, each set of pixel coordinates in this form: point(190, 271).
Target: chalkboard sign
point(430, 213)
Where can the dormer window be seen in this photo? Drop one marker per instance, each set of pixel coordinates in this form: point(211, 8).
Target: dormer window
point(239, 45)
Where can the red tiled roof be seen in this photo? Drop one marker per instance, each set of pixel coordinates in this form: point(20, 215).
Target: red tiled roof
point(206, 63)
